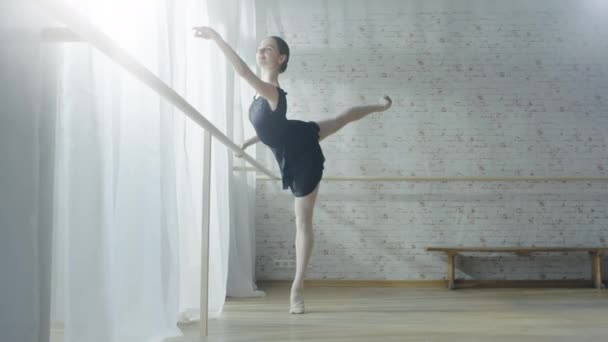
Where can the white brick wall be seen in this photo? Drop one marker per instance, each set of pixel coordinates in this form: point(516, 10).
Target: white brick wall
point(480, 88)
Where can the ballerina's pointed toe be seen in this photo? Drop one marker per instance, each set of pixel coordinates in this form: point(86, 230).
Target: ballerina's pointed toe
point(297, 308)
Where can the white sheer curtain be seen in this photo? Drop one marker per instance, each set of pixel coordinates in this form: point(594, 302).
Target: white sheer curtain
point(128, 176)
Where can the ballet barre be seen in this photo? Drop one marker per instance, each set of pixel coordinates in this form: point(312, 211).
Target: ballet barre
point(441, 179)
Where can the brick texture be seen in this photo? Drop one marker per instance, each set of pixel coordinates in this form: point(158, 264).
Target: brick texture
point(480, 88)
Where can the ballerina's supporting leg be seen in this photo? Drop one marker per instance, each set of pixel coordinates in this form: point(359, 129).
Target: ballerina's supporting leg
point(304, 206)
point(331, 126)
point(304, 242)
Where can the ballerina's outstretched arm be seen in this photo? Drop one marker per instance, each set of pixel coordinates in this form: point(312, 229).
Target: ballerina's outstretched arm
point(266, 90)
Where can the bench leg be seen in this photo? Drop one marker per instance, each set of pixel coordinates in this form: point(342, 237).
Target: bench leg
point(596, 271)
point(451, 266)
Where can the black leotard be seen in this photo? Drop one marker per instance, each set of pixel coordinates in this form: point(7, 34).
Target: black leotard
point(294, 143)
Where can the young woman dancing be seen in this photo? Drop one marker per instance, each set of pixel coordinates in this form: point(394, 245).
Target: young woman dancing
point(294, 143)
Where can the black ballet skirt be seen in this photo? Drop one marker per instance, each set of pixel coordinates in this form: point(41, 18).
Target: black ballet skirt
point(294, 143)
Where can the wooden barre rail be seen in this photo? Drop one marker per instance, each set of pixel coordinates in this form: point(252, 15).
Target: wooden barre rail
point(443, 179)
point(83, 31)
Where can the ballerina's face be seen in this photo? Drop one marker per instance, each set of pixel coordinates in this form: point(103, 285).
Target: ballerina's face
point(268, 56)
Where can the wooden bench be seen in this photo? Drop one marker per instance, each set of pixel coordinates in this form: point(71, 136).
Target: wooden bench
point(595, 252)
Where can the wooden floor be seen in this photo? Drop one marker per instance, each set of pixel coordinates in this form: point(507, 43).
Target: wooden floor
point(415, 314)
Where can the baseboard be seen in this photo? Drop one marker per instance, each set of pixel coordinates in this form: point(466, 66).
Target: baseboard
point(356, 283)
point(431, 283)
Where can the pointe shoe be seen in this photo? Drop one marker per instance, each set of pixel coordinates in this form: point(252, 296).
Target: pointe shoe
point(297, 307)
point(296, 303)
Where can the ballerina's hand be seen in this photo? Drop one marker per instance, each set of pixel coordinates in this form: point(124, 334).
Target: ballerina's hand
point(386, 102)
point(205, 32)
point(240, 154)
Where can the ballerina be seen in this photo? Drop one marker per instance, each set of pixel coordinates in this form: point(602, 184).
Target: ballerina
point(294, 143)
